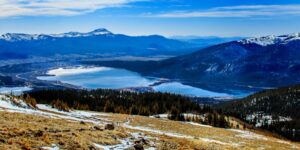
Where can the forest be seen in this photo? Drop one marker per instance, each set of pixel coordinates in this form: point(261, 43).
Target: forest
point(125, 102)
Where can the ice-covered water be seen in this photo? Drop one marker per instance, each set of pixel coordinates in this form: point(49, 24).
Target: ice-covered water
point(14, 90)
point(112, 78)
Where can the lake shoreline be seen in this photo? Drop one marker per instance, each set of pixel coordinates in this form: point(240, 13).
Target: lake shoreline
point(72, 75)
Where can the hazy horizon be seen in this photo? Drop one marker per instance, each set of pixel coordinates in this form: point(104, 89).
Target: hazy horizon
point(224, 18)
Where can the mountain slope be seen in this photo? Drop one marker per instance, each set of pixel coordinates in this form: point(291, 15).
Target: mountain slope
point(100, 41)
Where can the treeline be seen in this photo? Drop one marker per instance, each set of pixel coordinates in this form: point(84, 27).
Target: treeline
point(209, 117)
point(124, 102)
point(281, 102)
point(115, 101)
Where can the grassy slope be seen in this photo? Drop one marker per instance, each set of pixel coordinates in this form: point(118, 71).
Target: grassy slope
point(22, 131)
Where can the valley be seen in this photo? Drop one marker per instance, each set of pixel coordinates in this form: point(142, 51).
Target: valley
point(203, 94)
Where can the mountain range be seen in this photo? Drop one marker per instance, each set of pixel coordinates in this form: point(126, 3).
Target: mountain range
point(99, 41)
point(252, 64)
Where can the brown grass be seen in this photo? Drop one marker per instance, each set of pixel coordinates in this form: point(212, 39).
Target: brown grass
point(21, 131)
point(218, 134)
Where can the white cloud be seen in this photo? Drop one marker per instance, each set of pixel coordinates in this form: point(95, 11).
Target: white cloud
point(10, 8)
point(236, 11)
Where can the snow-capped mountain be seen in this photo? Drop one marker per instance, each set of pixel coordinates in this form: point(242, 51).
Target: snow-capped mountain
point(270, 40)
point(12, 37)
point(96, 32)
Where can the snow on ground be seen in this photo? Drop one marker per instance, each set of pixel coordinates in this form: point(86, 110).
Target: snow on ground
point(6, 104)
point(127, 143)
point(124, 145)
point(262, 119)
point(176, 135)
point(252, 135)
point(163, 116)
point(84, 115)
point(198, 124)
point(126, 125)
point(49, 108)
point(53, 147)
point(248, 134)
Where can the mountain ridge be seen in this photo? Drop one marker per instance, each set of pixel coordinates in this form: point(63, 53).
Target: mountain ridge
point(99, 41)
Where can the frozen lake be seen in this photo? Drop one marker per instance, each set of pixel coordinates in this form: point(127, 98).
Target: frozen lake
point(112, 78)
point(14, 90)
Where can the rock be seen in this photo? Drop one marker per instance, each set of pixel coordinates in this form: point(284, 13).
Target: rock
point(92, 148)
point(98, 128)
point(2, 141)
point(81, 129)
point(138, 147)
point(61, 143)
point(82, 122)
point(145, 142)
point(109, 127)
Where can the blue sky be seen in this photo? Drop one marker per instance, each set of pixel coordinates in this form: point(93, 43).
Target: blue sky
point(144, 17)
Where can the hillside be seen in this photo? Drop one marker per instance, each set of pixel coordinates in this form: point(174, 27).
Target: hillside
point(276, 110)
point(44, 127)
point(250, 64)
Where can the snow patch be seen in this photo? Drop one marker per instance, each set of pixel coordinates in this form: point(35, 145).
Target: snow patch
point(15, 105)
point(53, 147)
point(176, 135)
point(248, 134)
point(198, 124)
point(126, 143)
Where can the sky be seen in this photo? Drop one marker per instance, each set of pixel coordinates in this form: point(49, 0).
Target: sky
point(224, 18)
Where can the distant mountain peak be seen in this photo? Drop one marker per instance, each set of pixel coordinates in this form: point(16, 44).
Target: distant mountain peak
point(101, 31)
point(271, 39)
